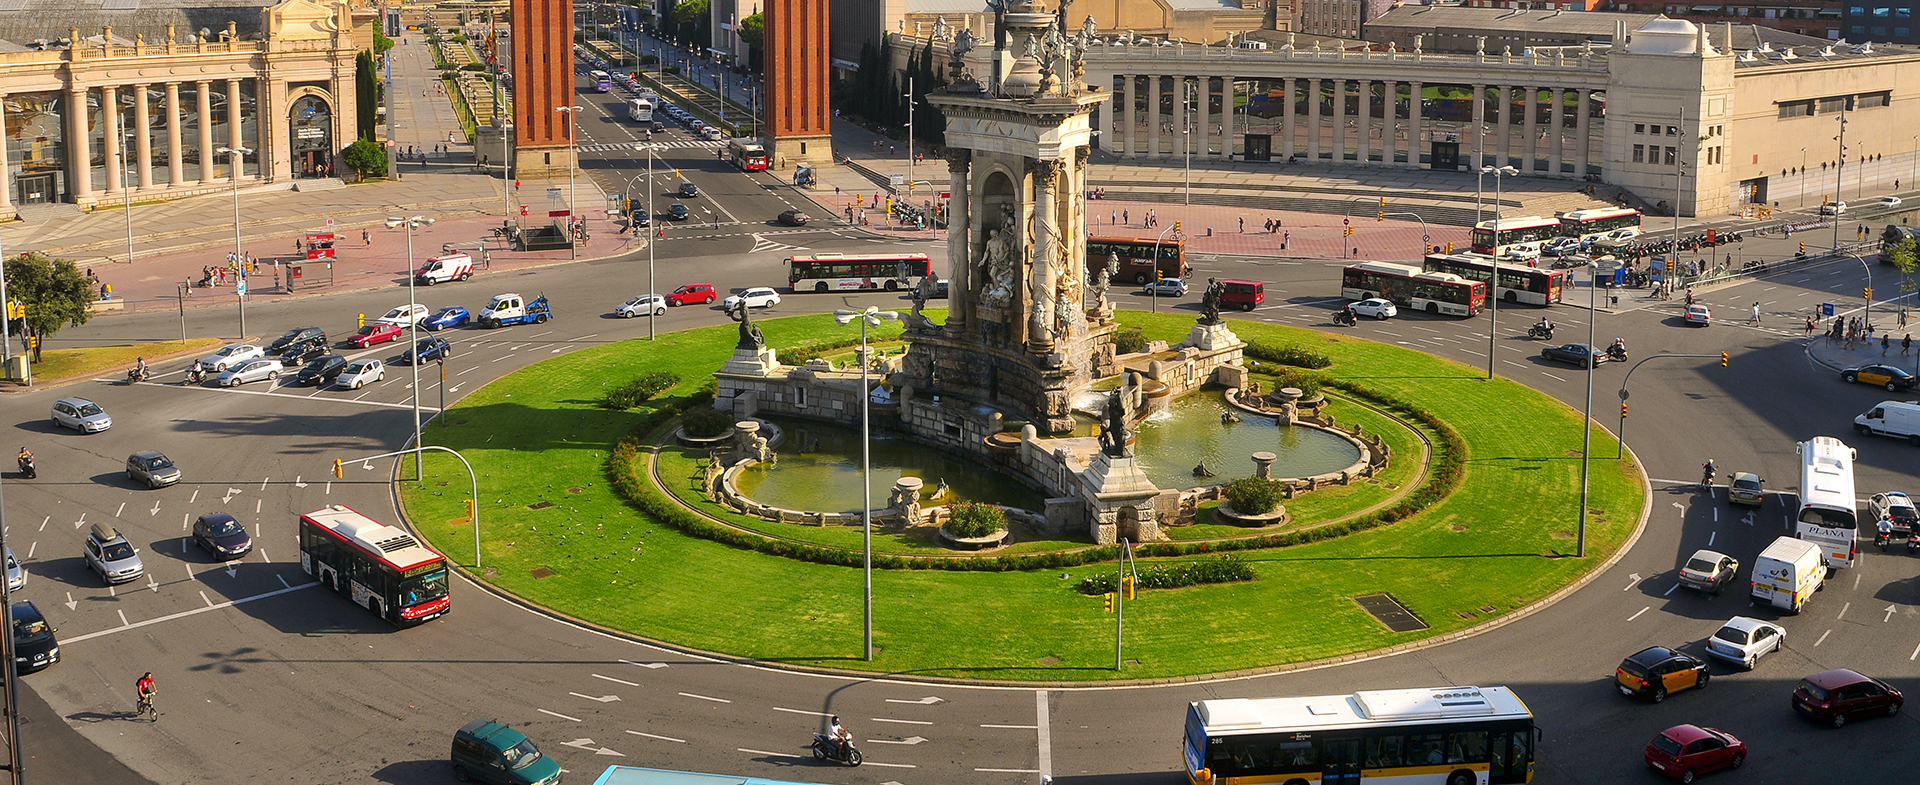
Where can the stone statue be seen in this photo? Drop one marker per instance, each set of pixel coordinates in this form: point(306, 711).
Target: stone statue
point(1065, 310)
point(1113, 426)
point(750, 337)
point(1037, 330)
point(959, 79)
point(940, 28)
point(922, 292)
point(1210, 302)
point(1105, 279)
point(1031, 49)
point(942, 491)
point(998, 262)
point(1089, 30)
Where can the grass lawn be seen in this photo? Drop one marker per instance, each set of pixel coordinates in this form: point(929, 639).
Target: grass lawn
point(540, 444)
point(60, 364)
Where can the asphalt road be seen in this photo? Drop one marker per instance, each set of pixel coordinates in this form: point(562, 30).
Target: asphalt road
point(264, 679)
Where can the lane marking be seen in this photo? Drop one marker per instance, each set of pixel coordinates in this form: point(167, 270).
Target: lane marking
point(652, 736)
point(617, 681)
point(1013, 727)
point(194, 612)
point(1045, 734)
point(557, 714)
point(774, 754)
point(899, 722)
point(802, 711)
point(1843, 612)
point(1637, 615)
point(1823, 638)
point(1668, 591)
point(1010, 771)
point(704, 698)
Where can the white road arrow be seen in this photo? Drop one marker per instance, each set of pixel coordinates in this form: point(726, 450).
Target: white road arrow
point(605, 751)
point(231, 492)
point(602, 699)
point(71, 604)
point(82, 522)
point(156, 508)
point(297, 483)
point(1632, 580)
point(152, 585)
point(584, 744)
point(926, 701)
point(910, 740)
point(1748, 520)
point(647, 665)
point(233, 570)
point(1890, 610)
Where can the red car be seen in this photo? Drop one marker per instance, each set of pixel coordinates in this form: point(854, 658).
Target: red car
point(375, 333)
point(1839, 695)
point(692, 293)
point(1684, 752)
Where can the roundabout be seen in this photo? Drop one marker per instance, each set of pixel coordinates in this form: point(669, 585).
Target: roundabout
point(593, 514)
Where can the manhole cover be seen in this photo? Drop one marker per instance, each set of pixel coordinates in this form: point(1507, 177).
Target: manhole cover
point(541, 572)
point(539, 505)
point(1390, 613)
point(575, 489)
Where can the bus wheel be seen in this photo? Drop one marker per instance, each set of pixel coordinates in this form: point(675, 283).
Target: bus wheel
point(1460, 778)
point(1510, 297)
point(1433, 308)
point(820, 287)
point(1139, 279)
point(894, 286)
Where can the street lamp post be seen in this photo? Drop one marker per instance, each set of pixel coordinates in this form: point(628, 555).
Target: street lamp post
point(910, 108)
point(1493, 286)
point(1803, 176)
point(1837, 169)
point(471, 474)
point(126, 184)
point(413, 331)
point(1867, 315)
point(1154, 300)
point(1586, 417)
point(1186, 138)
point(650, 219)
point(573, 163)
point(238, 156)
point(871, 316)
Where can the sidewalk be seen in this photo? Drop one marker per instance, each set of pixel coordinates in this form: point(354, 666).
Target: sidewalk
point(1838, 354)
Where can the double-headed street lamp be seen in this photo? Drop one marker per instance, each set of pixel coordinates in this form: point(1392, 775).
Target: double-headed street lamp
point(573, 163)
point(238, 156)
point(871, 316)
point(413, 329)
point(1493, 286)
point(1586, 415)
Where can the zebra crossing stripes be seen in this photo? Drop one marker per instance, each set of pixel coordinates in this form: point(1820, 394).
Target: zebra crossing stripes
point(690, 144)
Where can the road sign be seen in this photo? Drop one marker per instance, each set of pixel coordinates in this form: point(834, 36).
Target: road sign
point(1826, 309)
point(329, 223)
point(240, 287)
point(553, 193)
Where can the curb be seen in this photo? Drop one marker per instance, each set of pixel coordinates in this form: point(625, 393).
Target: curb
point(38, 386)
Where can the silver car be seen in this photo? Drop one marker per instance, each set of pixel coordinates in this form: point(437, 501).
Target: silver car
point(111, 556)
point(360, 373)
point(153, 468)
point(641, 306)
point(16, 574)
point(252, 371)
point(81, 415)
point(230, 356)
point(1743, 640)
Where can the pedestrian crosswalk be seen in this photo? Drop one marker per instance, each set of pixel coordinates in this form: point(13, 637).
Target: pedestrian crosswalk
point(762, 244)
point(681, 144)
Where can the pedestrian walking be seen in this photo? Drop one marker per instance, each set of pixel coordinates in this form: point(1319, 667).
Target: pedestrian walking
point(1906, 343)
point(1127, 217)
point(1755, 318)
point(1243, 225)
point(1113, 218)
point(366, 238)
point(1285, 237)
point(1884, 343)
point(1903, 318)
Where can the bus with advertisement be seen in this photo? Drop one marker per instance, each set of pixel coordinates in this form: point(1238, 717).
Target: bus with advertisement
point(1513, 231)
point(1407, 737)
point(602, 81)
point(1412, 287)
point(1139, 258)
point(836, 272)
point(375, 566)
point(1597, 221)
point(748, 155)
point(1827, 516)
point(1517, 284)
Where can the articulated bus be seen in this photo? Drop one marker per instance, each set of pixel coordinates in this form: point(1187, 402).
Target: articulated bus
point(1513, 231)
point(1405, 737)
point(602, 81)
point(832, 272)
point(1530, 285)
point(747, 154)
point(1827, 516)
point(376, 566)
point(1597, 221)
point(1411, 287)
point(1137, 258)
point(640, 110)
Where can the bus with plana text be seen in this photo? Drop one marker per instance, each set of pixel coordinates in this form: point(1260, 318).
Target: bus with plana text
point(1142, 261)
point(1517, 284)
point(375, 566)
point(837, 272)
point(1597, 221)
point(1828, 517)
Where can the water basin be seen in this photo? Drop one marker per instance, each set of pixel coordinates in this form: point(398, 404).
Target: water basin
point(828, 479)
point(1170, 444)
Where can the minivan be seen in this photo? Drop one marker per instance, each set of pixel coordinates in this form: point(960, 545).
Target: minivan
point(1243, 294)
point(487, 751)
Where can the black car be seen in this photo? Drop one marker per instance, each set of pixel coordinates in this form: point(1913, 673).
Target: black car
point(689, 189)
point(295, 336)
point(221, 536)
point(1657, 671)
point(793, 218)
point(34, 646)
point(639, 217)
point(677, 212)
point(321, 371)
point(302, 352)
point(658, 126)
point(426, 351)
point(1578, 354)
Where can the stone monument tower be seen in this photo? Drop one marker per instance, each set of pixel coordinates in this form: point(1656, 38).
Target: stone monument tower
point(797, 85)
point(1019, 334)
point(542, 81)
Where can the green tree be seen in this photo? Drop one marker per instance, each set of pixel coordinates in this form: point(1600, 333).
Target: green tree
point(366, 89)
point(54, 291)
point(688, 22)
point(365, 157)
point(1903, 256)
point(753, 33)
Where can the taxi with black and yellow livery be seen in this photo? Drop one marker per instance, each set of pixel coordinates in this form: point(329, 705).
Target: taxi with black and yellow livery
point(1655, 672)
point(1893, 379)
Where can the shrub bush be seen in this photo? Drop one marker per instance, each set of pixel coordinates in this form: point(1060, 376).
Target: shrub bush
point(1288, 355)
point(706, 423)
point(1128, 340)
point(1308, 384)
point(640, 390)
point(1226, 569)
point(703, 397)
point(649, 60)
point(1253, 496)
point(474, 67)
point(971, 519)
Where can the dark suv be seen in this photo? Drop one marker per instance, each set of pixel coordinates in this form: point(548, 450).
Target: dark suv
point(322, 371)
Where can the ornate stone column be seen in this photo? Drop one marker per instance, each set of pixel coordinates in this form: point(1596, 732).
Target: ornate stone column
point(1203, 132)
point(1363, 99)
point(1504, 139)
point(1039, 305)
point(234, 139)
point(1390, 122)
point(6, 179)
point(110, 134)
point(79, 148)
point(1313, 121)
point(959, 230)
point(1286, 119)
point(1416, 136)
point(1583, 147)
point(203, 109)
point(176, 171)
point(1557, 131)
point(143, 144)
point(1479, 127)
point(1153, 118)
point(1130, 94)
point(1530, 135)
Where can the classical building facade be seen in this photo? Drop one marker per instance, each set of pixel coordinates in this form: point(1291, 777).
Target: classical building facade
point(93, 115)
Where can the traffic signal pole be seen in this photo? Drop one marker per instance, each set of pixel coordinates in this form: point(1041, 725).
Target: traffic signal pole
point(473, 502)
point(1620, 435)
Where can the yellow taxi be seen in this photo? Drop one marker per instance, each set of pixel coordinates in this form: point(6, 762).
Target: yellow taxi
point(1657, 671)
point(1879, 376)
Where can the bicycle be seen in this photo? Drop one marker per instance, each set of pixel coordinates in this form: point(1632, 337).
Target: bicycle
point(146, 707)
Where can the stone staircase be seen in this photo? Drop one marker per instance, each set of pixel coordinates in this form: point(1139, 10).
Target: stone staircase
point(319, 184)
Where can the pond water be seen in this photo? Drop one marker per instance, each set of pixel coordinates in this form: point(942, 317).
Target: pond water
point(1170, 444)
point(828, 480)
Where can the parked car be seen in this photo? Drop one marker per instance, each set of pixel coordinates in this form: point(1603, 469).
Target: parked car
point(450, 316)
point(489, 752)
point(253, 371)
point(1697, 315)
point(81, 415)
point(689, 190)
point(221, 536)
point(1897, 508)
point(756, 297)
point(110, 556)
point(361, 373)
point(1618, 237)
point(376, 333)
point(1887, 376)
point(678, 212)
point(1839, 695)
point(693, 293)
point(153, 468)
point(794, 218)
point(1709, 571)
point(426, 350)
point(1578, 354)
point(1244, 295)
point(16, 574)
point(1376, 307)
point(404, 315)
point(1166, 287)
point(321, 371)
point(1744, 641)
point(1746, 488)
point(34, 647)
point(231, 355)
point(1658, 671)
point(1684, 752)
point(641, 306)
point(712, 134)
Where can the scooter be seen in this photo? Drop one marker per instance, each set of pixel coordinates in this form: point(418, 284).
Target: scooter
point(1542, 332)
point(1616, 354)
point(136, 375)
point(26, 468)
point(1913, 542)
point(1881, 538)
point(826, 748)
point(195, 373)
point(1345, 318)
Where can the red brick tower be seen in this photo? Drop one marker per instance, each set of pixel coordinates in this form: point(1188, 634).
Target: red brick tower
point(797, 88)
point(542, 47)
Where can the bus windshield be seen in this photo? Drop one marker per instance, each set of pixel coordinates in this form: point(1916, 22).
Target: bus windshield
point(421, 588)
point(1828, 517)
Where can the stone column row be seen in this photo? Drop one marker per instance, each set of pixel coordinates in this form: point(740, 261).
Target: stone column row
point(114, 145)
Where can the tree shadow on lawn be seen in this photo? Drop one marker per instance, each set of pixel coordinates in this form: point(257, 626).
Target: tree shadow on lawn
point(513, 426)
point(1435, 557)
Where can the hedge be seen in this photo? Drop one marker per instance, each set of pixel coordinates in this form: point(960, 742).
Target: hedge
point(1287, 355)
point(1226, 569)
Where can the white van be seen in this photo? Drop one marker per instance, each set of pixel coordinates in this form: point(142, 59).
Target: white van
point(1898, 419)
point(451, 267)
point(1787, 574)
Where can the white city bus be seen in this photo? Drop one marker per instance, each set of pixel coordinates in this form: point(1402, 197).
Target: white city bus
point(1828, 517)
point(640, 110)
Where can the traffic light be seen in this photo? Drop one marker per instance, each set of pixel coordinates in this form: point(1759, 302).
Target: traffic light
point(1106, 601)
point(1723, 359)
point(1176, 227)
point(469, 509)
point(1803, 247)
point(1381, 217)
point(338, 472)
point(1347, 231)
point(1869, 293)
point(523, 210)
point(1126, 586)
point(1449, 247)
point(1623, 410)
point(363, 320)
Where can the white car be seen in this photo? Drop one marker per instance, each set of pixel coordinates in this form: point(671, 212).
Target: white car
point(1522, 252)
point(230, 356)
point(251, 371)
point(1743, 640)
point(641, 306)
point(1617, 238)
point(1375, 307)
point(405, 315)
point(1889, 201)
point(1833, 208)
point(712, 134)
point(360, 373)
point(757, 297)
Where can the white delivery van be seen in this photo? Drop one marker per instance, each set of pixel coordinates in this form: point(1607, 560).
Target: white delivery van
point(1787, 574)
point(1898, 419)
point(451, 267)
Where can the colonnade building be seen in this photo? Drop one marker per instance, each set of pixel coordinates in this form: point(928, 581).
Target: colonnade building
point(141, 99)
point(1670, 115)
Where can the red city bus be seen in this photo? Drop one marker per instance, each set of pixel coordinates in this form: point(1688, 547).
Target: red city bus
point(747, 154)
point(1137, 258)
point(378, 567)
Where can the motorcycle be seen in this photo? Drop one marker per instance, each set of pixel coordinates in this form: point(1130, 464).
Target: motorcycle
point(26, 468)
point(1881, 538)
point(1615, 354)
point(136, 375)
point(826, 748)
point(1345, 318)
point(1542, 332)
point(1913, 543)
point(195, 373)
point(1706, 478)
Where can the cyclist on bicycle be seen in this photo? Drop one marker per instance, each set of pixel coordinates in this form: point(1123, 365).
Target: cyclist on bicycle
point(145, 687)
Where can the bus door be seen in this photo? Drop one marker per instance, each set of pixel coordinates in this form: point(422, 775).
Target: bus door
point(1340, 761)
point(1510, 754)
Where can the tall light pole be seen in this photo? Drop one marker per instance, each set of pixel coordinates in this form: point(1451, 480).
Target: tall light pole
point(413, 331)
point(1867, 315)
point(910, 106)
point(573, 163)
point(1842, 165)
point(1803, 176)
point(1493, 286)
point(650, 219)
point(1586, 416)
point(16, 757)
point(871, 316)
point(238, 156)
point(126, 183)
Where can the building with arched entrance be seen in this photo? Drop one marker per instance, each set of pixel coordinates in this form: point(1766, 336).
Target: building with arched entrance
point(100, 103)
